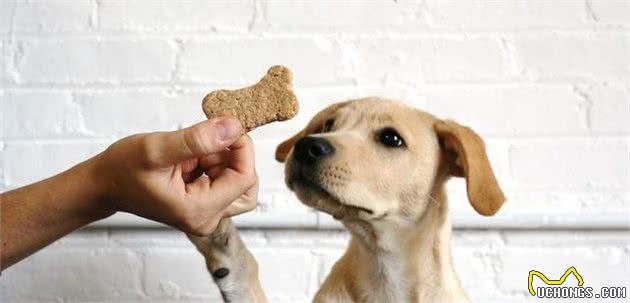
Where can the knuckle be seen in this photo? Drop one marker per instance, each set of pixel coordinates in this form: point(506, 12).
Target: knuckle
point(195, 140)
point(146, 145)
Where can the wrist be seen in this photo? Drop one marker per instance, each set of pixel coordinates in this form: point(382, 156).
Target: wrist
point(94, 188)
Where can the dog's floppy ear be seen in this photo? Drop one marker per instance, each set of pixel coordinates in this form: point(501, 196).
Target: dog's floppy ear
point(465, 156)
point(315, 125)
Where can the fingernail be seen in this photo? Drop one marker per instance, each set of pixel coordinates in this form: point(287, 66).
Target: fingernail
point(229, 128)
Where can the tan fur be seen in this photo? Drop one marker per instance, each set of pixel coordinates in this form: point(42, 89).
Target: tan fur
point(392, 200)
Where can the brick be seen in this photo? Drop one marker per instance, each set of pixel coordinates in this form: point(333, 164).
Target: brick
point(277, 208)
point(560, 239)
point(287, 274)
point(75, 275)
point(334, 239)
point(7, 10)
point(473, 266)
point(5, 54)
point(416, 60)
point(571, 164)
point(511, 110)
point(556, 204)
point(346, 16)
point(473, 15)
point(244, 61)
point(27, 162)
point(160, 16)
point(40, 114)
point(139, 110)
point(52, 16)
point(61, 61)
point(610, 109)
point(84, 238)
point(177, 274)
point(125, 113)
point(611, 12)
point(2, 178)
point(577, 57)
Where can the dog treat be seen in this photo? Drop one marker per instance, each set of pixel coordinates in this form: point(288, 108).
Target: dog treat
point(271, 99)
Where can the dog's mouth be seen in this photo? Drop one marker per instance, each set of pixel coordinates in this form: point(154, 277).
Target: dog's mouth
point(314, 195)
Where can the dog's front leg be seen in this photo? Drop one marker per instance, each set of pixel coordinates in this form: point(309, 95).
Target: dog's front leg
point(231, 265)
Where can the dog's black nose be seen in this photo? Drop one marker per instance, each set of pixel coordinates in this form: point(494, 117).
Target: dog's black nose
point(310, 149)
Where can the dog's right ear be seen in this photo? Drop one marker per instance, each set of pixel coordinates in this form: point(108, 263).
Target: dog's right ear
point(314, 126)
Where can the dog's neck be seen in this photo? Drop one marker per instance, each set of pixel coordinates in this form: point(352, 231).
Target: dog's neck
point(407, 264)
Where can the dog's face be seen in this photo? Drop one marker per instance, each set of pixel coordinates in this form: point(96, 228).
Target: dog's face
point(374, 159)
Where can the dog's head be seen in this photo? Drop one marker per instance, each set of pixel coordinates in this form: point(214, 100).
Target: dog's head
point(374, 159)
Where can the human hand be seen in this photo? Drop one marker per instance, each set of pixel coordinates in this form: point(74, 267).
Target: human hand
point(189, 179)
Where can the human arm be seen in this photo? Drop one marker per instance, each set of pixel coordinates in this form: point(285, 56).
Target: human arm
point(188, 179)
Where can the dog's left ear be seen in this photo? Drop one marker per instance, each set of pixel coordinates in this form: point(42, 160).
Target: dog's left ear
point(465, 156)
point(314, 126)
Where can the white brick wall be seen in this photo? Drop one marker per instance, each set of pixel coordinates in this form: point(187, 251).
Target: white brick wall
point(547, 83)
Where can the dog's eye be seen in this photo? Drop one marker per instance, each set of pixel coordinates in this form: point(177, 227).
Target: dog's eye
point(390, 138)
point(328, 125)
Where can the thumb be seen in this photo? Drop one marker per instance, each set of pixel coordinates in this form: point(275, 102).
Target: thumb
point(199, 140)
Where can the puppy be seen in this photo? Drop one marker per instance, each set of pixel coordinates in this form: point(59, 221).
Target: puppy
point(379, 167)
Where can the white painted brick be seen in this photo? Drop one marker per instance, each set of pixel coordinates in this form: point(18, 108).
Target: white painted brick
point(335, 239)
point(473, 266)
point(346, 16)
point(245, 60)
point(177, 274)
point(190, 15)
point(416, 60)
point(29, 162)
point(84, 238)
point(52, 16)
point(276, 206)
point(40, 114)
point(287, 275)
point(3, 186)
point(74, 275)
point(571, 164)
point(610, 109)
point(520, 110)
point(471, 15)
point(575, 57)
point(7, 10)
point(614, 12)
point(90, 60)
point(550, 204)
point(139, 110)
point(5, 55)
point(125, 113)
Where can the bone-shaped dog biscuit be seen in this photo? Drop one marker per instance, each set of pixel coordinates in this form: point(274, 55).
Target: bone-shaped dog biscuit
point(271, 99)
